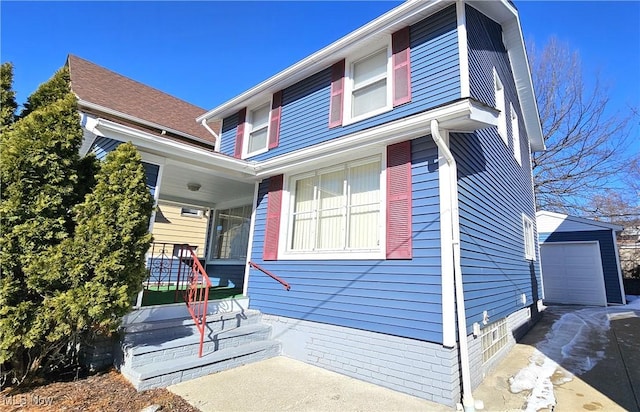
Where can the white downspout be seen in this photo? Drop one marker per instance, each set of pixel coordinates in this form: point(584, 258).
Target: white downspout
point(216, 145)
point(467, 396)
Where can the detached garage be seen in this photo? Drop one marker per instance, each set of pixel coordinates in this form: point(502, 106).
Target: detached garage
point(579, 260)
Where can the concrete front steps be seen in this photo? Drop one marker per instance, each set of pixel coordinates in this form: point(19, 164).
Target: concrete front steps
point(160, 353)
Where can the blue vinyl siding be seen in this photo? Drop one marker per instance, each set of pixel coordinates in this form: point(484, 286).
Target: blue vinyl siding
point(607, 254)
point(435, 80)
point(226, 275)
point(494, 191)
point(103, 145)
point(398, 297)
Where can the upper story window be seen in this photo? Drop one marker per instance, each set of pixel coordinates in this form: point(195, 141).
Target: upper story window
point(257, 131)
point(529, 239)
point(500, 105)
point(370, 90)
point(515, 132)
point(336, 210)
point(372, 81)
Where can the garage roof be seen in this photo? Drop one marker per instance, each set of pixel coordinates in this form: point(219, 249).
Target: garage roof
point(557, 222)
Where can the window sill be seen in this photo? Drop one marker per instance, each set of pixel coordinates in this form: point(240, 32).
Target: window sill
point(333, 255)
point(256, 153)
point(350, 120)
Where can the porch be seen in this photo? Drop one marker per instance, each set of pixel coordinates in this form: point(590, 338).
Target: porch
point(199, 210)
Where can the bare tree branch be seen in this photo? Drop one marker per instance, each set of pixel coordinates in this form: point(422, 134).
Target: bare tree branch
point(586, 142)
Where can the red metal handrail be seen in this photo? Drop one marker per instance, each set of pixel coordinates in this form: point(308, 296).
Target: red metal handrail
point(266, 272)
point(197, 293)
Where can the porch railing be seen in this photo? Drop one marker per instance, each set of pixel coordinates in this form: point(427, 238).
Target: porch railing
point(175, 269)
point(197, 294)
point(266, 272)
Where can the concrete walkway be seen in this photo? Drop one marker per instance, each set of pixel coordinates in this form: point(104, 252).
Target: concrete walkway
point(613, 384)
point(284, 384)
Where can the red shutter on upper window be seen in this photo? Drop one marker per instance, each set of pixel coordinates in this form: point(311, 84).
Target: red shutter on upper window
point(274, 206)
point(274, 122)
point(337, 94)
point(399, 244)
point(242, 118)
point(401, 47)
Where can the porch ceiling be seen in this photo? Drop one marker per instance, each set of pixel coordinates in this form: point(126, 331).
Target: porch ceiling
point(214, 189)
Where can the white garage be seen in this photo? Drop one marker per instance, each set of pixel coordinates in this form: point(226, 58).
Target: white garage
point(579, 260)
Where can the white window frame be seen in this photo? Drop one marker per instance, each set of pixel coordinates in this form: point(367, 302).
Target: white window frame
point(211, 232)
point(286, 226)
point(528, 238)
point(372, 49)
point(192, 212)
point(248, 129)
point(515, 133)
point(498, 88)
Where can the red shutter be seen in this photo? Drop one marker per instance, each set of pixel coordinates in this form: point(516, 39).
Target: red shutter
point(399, 244)
point(337, 94)
point(274, 123)
point(274, 206)
point(401, 47)
point(242, 118)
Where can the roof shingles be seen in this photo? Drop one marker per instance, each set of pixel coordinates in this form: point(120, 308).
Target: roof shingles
point(103, 87)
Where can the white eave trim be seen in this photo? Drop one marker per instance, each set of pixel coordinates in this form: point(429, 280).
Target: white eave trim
point(407, 13)
point(464, 115)
point(173, 149)
point(595, 223)
point(103, 109)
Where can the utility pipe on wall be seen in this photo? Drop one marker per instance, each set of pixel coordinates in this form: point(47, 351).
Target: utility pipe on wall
point(467, 396)
point(216, 145)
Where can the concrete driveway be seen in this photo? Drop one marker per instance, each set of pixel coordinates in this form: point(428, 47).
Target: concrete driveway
point(594, 358)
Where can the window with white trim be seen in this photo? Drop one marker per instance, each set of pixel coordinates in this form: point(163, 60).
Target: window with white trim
point(529, 239)
point(336, 209)
point(368, 85)
point(230, 233)
point(515, 132)
point(500, 105)
point(257, 131)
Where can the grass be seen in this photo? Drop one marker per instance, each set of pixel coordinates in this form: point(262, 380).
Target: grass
point(166, 294)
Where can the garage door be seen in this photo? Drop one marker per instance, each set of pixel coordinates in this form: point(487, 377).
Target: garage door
point(572, 273)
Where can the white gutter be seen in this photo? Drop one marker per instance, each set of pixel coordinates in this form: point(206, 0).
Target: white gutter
point(216, 145)
point(190, 153)
point(103, 109)
point(408, 12)
point(467, 396)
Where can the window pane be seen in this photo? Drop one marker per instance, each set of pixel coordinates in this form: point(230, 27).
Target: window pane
point(257, 140)
point(302, 238)
point(369, 98)
point(231, 233)
point(370, 68)
point(364, 200)
point(302, 232)
point(331, 203)
point(260, 117)
point(363, 227)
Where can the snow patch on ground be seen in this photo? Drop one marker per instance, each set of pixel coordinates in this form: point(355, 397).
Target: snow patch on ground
point(573, 346)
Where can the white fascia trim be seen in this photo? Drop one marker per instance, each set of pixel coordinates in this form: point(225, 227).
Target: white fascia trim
point(252, 227)
point(463, 50)
point(408, 12)
point(193, 154)
point(618, 267)
point(512, 33)
point(103, 109)
point(545, 213)
point(455, 116)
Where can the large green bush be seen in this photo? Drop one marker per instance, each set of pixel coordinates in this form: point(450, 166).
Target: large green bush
point(73, 234)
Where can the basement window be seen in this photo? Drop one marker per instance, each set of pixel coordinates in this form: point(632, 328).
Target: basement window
point(494, 338)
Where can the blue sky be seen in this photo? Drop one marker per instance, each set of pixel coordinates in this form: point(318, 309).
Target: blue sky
point(208, 52)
